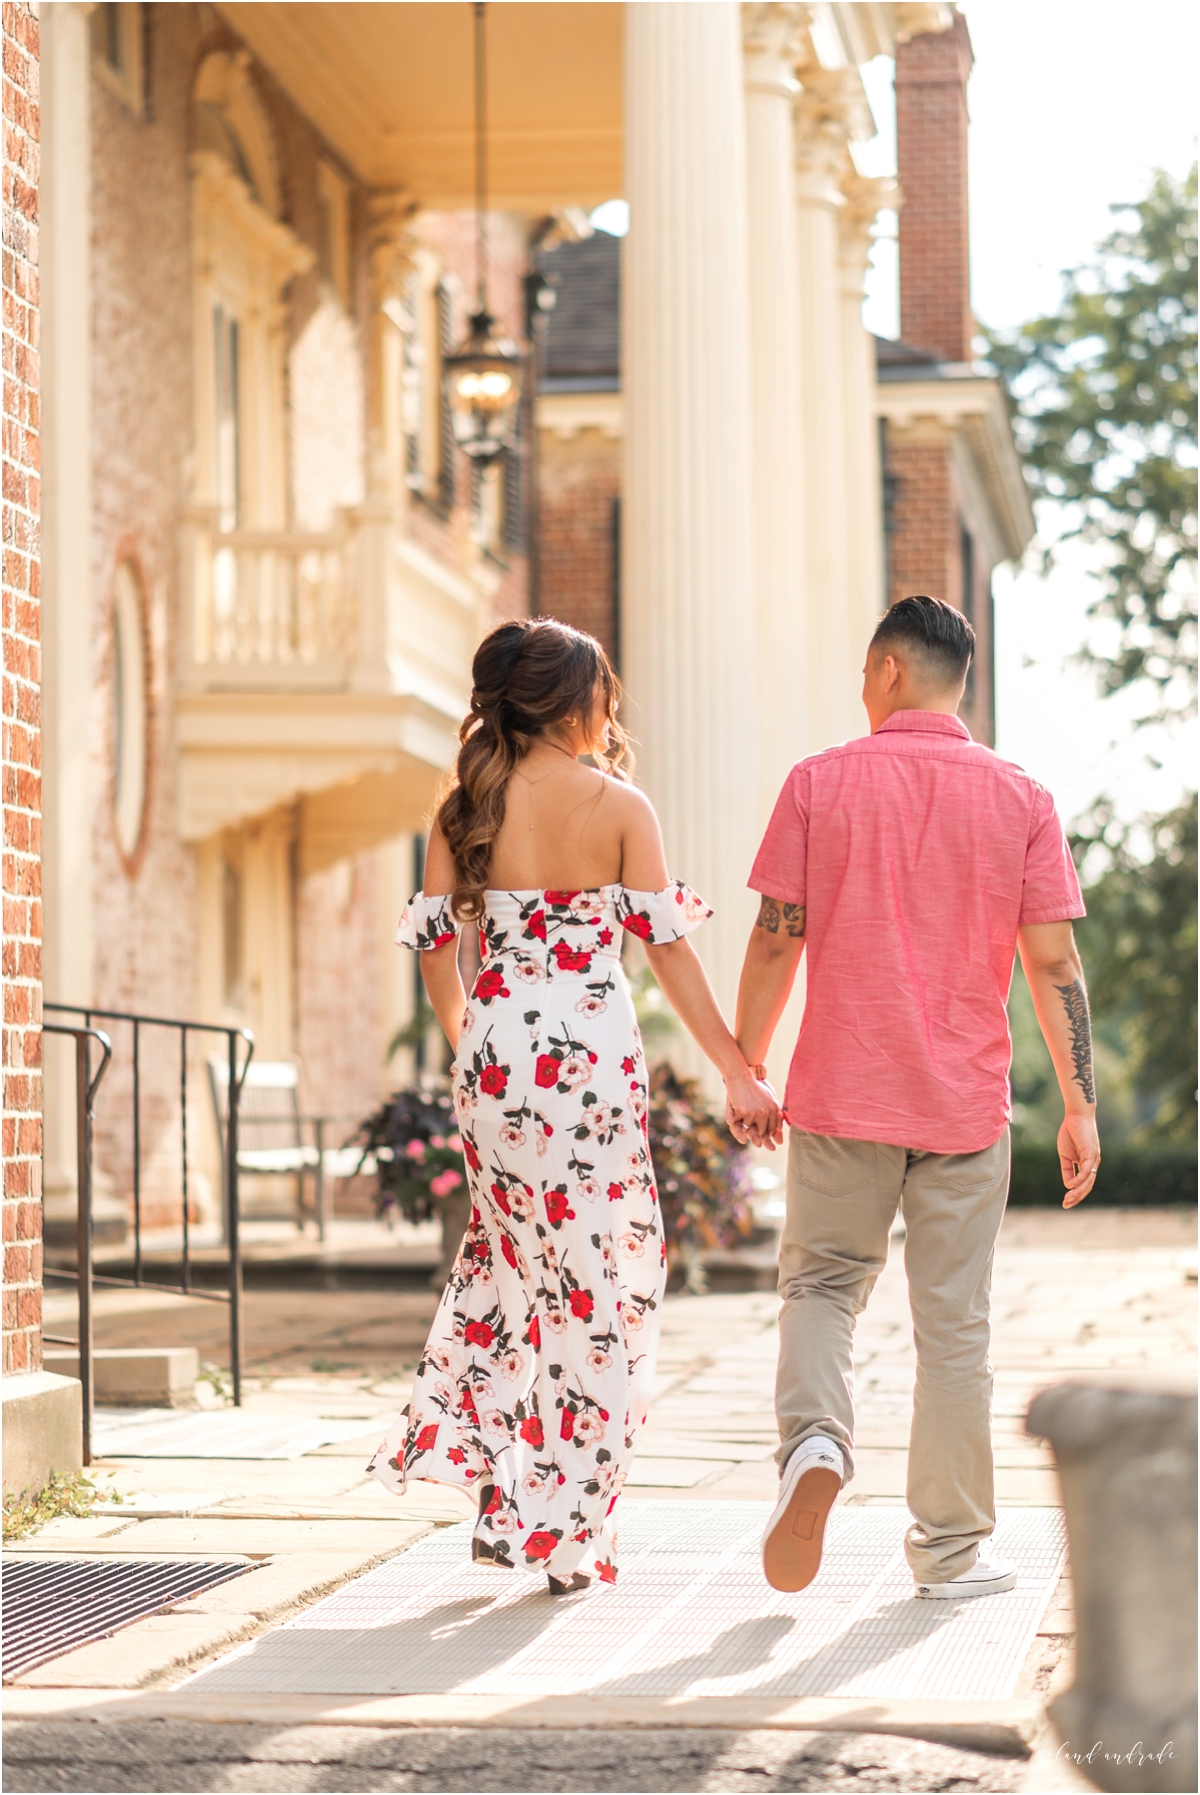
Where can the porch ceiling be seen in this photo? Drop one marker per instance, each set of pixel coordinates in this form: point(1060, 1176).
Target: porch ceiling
point(390, 86)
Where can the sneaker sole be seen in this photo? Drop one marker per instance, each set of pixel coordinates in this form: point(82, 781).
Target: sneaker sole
point(792, 1549)
point(957, 1592)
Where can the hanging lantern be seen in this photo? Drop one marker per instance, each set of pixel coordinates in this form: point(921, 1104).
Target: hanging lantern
point(482, 380)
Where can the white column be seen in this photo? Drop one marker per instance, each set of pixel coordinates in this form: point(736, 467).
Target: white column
point(67, 871)
point(770, 35)
point(831, 712)
point(687, 601)
point(864, 497)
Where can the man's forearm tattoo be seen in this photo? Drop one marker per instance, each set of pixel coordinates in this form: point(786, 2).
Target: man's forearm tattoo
point(1080, 1024)
point(773, 916)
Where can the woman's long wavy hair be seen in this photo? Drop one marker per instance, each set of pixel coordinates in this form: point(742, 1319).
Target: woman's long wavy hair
point(527, 677)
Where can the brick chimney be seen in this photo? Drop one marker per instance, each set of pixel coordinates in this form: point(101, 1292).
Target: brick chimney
point(931, 153)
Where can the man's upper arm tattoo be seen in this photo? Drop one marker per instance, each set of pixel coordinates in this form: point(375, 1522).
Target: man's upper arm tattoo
point(774, 915)
point(1080, 1024)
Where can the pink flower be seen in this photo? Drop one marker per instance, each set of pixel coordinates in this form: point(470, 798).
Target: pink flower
point(445, 1182)
point(415, 1150)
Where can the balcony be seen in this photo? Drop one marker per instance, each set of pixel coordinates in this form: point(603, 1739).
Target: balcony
point(316, 661)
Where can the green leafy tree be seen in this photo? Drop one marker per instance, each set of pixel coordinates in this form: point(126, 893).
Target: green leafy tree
point(1139, 948)
point(1103, 394)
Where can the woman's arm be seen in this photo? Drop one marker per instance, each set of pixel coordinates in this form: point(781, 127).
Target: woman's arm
point(751, 1108)
point(443, 982)
point(439, 965)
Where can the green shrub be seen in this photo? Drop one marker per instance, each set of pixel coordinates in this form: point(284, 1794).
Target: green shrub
point(1129, 1177)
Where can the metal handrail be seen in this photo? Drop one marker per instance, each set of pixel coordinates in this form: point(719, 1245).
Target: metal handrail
point(85, 1096)
point(84, 1273)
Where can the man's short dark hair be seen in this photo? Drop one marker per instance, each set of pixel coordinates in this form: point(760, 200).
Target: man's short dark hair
point(933, 631)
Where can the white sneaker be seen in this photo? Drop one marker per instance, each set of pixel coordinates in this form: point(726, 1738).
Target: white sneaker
point(795, 1533)
point(986, 1577)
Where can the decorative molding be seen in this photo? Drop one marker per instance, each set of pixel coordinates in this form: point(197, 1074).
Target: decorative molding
point(567, 415)
point(824, 127)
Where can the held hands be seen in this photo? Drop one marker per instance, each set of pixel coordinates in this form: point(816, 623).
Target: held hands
point(752, 1111)
point(1079, 1155)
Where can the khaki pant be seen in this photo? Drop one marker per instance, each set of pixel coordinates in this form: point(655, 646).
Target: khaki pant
point(842, 1200)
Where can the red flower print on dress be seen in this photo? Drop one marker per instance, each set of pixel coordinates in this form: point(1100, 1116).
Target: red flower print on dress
point(501, 1196)
point(582, 1303)
point(535, 928)
point(495, 1503)
point(605, 937)
point(558, 1209)
point(533, 1432)
point(490, 984)
point(541, 1544)
point(561, 897)
point(607, 1573)
point(441, 940)
point(639, 925)
point(628, 1064)
point(615, 1192)
point(427, 1438)
point(546, 1074)
point(533, 1336)
point(493, 1081)
point(471, 1154)
point(567, 1424)
point(478, 1333)
point(571, 959)
point(509, 1251)
point(456, 1455)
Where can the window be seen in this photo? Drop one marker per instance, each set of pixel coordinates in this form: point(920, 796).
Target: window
point(129, 710)
point(425, 321)
point(117, 40)
point(226, 413)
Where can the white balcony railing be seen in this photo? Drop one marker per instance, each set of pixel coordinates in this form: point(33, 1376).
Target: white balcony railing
point(269, 608)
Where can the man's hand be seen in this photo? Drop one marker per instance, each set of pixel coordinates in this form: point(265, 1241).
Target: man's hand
point(1079, 1155)
point(752, 1112)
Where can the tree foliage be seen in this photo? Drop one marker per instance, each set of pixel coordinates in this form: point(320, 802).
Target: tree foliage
point(1103, 393)
point(1139, 949)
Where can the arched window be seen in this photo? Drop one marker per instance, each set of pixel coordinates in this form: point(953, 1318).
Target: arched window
point(130, 709)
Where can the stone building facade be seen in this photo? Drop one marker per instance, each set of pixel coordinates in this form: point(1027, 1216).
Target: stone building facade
point(265, 565)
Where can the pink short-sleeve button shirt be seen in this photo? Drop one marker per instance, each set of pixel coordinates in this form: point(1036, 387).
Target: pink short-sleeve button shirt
point(917, 854)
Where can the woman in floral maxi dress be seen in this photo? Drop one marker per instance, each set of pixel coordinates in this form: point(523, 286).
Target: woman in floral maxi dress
point(537, 1371)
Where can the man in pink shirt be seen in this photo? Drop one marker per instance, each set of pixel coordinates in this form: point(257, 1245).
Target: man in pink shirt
point(912, 864)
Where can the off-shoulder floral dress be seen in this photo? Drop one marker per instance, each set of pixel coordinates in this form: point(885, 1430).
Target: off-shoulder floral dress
point(538, 1367)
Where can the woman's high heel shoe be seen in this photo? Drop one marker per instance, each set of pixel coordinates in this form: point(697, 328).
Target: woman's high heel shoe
point(482, 1550)
point(562, 1586)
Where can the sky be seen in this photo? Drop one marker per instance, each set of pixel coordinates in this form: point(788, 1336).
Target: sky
point(1072, 107)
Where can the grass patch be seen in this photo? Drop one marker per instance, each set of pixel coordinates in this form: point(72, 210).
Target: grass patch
point(62, 1495)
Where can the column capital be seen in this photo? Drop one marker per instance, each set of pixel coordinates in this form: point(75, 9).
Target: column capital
point(391, 238)
point(773, 39)
point(825, 123)
point(864, 197)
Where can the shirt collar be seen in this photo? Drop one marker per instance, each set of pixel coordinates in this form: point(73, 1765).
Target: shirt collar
point(927, 723)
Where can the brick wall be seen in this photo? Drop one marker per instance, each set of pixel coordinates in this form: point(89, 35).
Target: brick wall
point(931, 148)
point(923, 544)
point(22, 922)
point(579, 480)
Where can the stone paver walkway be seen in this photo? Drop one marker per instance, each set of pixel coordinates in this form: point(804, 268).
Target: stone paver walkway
point(1073, 1292)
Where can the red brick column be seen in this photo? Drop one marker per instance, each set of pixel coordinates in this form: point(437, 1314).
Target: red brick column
point(931, 153)
point(21, 924)
point(923, 552)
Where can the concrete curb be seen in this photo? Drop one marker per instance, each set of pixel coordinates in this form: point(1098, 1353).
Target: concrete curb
point(999, 1728)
